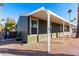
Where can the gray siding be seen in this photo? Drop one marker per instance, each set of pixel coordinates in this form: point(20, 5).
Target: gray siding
point(55, 28)
point(42, 27)
point(22, 27)
point(28, 25)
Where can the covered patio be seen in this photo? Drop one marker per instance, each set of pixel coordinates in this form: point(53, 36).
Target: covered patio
point(47, 15)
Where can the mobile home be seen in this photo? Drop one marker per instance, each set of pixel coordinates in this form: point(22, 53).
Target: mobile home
point(33, 26)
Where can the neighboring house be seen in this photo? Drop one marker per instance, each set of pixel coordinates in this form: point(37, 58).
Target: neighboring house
point(33, 26)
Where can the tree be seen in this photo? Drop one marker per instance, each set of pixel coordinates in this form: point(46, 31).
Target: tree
point(1, 26)
point(10, 25)
point(70, 11)
point(1, 4)
point(73, 20)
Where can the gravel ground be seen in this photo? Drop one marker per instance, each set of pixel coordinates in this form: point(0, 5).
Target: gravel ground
point(69, 48)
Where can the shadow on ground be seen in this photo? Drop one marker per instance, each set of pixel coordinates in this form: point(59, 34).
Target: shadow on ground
point(10, 42)
point(53, 42)
point(29, 52)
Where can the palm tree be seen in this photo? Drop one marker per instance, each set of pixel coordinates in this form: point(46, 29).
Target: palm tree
point(73, 20)
point(69, 11)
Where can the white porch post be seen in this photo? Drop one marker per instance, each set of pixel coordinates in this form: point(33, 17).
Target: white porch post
point(63, 32)
point(30, 25)
point(37, 30)
point(37, 27)
point(70, 31)
point(48, 31)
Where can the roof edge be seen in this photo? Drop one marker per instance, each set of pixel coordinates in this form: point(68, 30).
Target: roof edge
point(42, 8)
point(52, 13)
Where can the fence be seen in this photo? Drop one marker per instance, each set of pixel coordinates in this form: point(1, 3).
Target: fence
point(8, 35)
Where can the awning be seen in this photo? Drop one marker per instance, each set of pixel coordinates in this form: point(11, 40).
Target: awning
point(41, 13)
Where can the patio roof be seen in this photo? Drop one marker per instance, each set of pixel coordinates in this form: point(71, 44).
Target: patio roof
point(41, 13)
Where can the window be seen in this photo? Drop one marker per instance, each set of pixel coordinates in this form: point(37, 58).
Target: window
point(34, 26)
point(34, 23)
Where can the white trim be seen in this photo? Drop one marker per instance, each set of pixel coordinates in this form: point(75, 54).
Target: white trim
point(42, 8)
point(31, 25)
point(48, 31)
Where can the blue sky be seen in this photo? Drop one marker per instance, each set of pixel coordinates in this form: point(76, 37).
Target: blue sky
point(14, 10)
